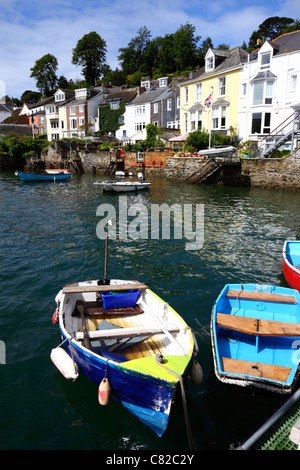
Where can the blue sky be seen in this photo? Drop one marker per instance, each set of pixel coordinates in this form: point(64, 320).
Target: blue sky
point(30, 29)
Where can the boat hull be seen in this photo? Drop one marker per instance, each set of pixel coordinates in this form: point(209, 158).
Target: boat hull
point(32, 177)
point(264, 357)
point(291, 263)
point(140, 383)
point(122, 187)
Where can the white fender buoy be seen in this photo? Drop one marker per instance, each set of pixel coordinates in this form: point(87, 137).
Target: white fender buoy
point(64, 363)
point(196, 373)
point(104, 391)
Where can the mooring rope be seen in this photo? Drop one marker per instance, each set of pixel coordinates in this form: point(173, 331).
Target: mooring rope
point(159, 358)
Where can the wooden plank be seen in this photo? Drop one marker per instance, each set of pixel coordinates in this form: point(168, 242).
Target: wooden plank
point(258, 327)
point(256, 369)
point(125, 332)
point(72, 289)
point(261, 296)
point(94, 309)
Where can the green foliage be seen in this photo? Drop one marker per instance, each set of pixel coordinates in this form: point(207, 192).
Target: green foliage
point(109, 119)
point(152, 140)
point(90, 54)
point(44, 71)
point(197, 140)
point(23, 147)
point(280, 153)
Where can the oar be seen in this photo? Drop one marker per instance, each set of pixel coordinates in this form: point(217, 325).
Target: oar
point(110, 224)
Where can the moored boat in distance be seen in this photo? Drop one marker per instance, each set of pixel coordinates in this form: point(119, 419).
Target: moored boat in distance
point(125, 186)
point(32, 177)
point(255, 330)
point(127, 340)
point(55, 171)
point(291, 263)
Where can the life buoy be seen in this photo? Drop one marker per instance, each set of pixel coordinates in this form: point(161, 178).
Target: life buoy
point(104, 391)
point(55, 317)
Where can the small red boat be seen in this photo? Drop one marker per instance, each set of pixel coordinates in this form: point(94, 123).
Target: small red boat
point(291, 263)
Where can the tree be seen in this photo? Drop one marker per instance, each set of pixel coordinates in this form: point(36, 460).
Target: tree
point(293, 27)
point(152, 140)
point(185, 47)
point(274, 26)
point(90, 54)
point(270, 29)
point(44, 71)
point(131, 57)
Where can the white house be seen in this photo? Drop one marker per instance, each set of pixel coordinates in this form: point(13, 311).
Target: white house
point(270, 92)
point(138, 111)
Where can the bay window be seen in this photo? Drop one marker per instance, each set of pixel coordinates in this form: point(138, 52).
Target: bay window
point(261, 123)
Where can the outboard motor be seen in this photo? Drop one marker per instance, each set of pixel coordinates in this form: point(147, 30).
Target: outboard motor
point(141, 177)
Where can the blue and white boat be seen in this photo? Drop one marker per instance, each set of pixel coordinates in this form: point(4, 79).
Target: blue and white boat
point(123, 335)
point(255, 332)
point(33, 177)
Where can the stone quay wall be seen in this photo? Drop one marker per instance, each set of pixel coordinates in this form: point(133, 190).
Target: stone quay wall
point(273, 173)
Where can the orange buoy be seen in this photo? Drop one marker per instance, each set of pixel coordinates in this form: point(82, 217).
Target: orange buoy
point(104, 391)
point(55, 317)
point(196, 373)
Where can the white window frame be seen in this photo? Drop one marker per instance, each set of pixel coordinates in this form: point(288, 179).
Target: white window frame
point(186, 94)
point(140, 110)
point(221, 86)
point(210, 63)
point(72, 110)
point(266, 98)
point(169, 104)
point(155, 108)
point(293, 82)
point(73, 123)
point(265, 60)
point(198, 92)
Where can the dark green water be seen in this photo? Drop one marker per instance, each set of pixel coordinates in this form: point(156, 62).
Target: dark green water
point(48, 239)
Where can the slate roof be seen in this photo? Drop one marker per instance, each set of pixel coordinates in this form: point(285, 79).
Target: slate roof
point(283, 44)
point(124, 96)
point(231, 59)
point(149, 96)
point(19, 129)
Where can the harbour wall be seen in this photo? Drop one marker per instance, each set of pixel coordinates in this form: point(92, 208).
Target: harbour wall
point(283, 173)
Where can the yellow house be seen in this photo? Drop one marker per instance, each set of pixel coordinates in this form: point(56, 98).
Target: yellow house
point(209, 101)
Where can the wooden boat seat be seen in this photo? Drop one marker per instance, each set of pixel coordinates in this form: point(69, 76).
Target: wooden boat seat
point(261, 296)
point(73, 289)
point(256, 369)
point(124, 332)
point(257, 326)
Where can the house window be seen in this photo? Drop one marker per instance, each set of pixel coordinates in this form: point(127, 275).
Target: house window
point(261, 123)
point(169, 105)
point(198, 92)
point(222, 82)
point(185, 121)
point(54, 124)
point(186, 94)
point(155, 108)
point(60, 97)
point(178, 101)
point(219, 117)
point(73, 110)
point(209, 63)
point(196, 120)
point(140, 109)
point(81, 108)
point(73, 123)
point(244, 89)
point(293, 82)
point(262, 92)
point(139, 126)
point(81, 121)
point(265, 60)
point(114, 104)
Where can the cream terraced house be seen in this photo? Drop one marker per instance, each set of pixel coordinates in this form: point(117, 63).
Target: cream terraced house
point(209, 101)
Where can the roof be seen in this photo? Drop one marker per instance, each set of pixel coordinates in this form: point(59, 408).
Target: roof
point(19, 129)
point(233, 58)
point(124, 96)
point(4, 108)
point(288, 42)
point(149, 96)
